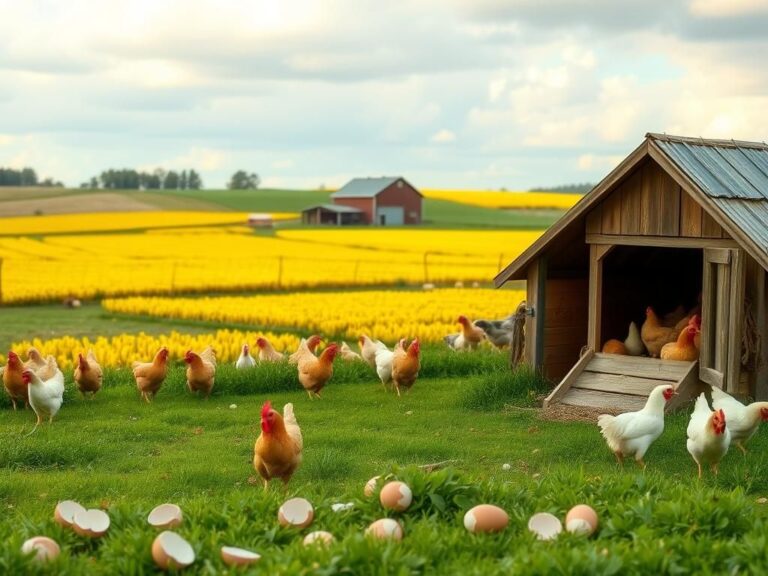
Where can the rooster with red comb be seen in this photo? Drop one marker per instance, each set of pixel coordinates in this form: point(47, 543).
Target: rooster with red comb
point(277, 453)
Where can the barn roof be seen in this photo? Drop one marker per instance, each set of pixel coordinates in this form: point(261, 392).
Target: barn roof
point(728, 178)
point(367, 187)
point(336, 208)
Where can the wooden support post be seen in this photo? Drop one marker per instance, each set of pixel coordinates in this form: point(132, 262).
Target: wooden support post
point(597, 253)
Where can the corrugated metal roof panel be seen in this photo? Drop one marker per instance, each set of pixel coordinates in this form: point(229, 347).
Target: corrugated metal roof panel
point(751, 216)
point(364, 187)
point(697, 171)
point(720, 171)
point(742, 160)
point(334, 208)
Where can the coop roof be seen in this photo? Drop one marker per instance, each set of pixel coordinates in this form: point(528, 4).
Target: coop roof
point(336, 208)
point(366, 187)
point(728, 178)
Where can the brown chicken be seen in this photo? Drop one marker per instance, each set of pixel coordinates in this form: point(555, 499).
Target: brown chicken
point(696, 323)
point(315, 371)
point(13, 380)
point(201, 370)
point(683, 349)
point(88, 374)
point(614, 346)
point(405, 365)
point(470, 335)
point(150, 375)
point(277, 453)
point(654, 335)
point(267, 353)
point(306, 346)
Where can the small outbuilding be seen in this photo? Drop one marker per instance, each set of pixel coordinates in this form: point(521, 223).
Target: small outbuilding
point(681, 221)
point(386, 201)
point(333, 214)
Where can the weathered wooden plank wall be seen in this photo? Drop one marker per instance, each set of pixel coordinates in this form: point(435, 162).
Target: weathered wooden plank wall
point(651, 203)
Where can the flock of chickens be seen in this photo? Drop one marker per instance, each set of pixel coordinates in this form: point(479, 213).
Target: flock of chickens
point(472, 334)
point(676, 336)
point(39, 383)
point(710, 431)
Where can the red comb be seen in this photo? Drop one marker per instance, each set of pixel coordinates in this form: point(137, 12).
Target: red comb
point(266, 409)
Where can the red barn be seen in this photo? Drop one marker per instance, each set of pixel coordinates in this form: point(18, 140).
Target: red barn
point(382, 201)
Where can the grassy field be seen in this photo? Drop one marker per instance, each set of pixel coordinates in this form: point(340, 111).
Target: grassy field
point(125, 456)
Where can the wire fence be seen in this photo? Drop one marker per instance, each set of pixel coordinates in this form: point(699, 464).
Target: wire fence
point(38, 279)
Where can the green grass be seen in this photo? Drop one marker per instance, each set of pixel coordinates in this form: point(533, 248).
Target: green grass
point(264, 200)
point(127, 456)
point(445, 214)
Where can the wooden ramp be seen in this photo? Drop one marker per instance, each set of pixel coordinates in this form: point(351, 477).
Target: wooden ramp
point(622, 383)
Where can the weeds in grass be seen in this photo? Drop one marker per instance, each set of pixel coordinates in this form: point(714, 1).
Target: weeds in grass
point(520, 387)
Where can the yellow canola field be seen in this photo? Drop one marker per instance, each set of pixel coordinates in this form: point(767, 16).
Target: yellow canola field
point(384, 314)
point(505, 200)
point(113, 221)
point(94, 265)
point(490, 244)
point(124, 349)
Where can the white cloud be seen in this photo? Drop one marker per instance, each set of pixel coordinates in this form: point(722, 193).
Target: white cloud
point(727, 8)
point(598, 163)
point(443, 136)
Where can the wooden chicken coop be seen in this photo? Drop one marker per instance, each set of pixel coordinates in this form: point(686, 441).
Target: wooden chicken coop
point(680, 222)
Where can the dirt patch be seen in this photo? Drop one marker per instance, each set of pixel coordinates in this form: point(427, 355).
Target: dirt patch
point(567, 413)
point(74, 203)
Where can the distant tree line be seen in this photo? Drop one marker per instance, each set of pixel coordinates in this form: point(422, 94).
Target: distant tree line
point(241, 180)
point(581, 188)
point(159, 179)
point(24, 177)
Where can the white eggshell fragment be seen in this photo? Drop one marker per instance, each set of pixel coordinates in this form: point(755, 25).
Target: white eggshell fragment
point(165, 516)
point(92, 523)
point(64, 514)
point(370, 486)
point(545, 526)
point(45, 548)
point(486, 518)
point(318, 537)
point(169, 551)
point(342, 506)
point(386, 528)
point(238, 556)
point(581, 519)
point(396, 496)
point(296, 512)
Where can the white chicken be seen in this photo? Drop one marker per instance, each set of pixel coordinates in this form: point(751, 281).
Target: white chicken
point(632, 433)
point(708, 435)
point(245, 360)
point(45, 397)
point(383, 360)
point(368, 349)
point(633, 342)
point(743, 421)
point(348, 354)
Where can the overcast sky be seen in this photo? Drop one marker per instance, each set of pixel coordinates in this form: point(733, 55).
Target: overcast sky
point(448, 93)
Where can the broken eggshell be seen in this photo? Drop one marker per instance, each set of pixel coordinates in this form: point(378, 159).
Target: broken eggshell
point(370, 486)
point(169, 550)
point(64, 513)
point(165, 516)
point(385, 528)
point(296, 512)
point(91, 523)
point(238, 556)
point(396, 496)
point(545, 525)
point(45, 548)
point(581, 519)
point(318, 537)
